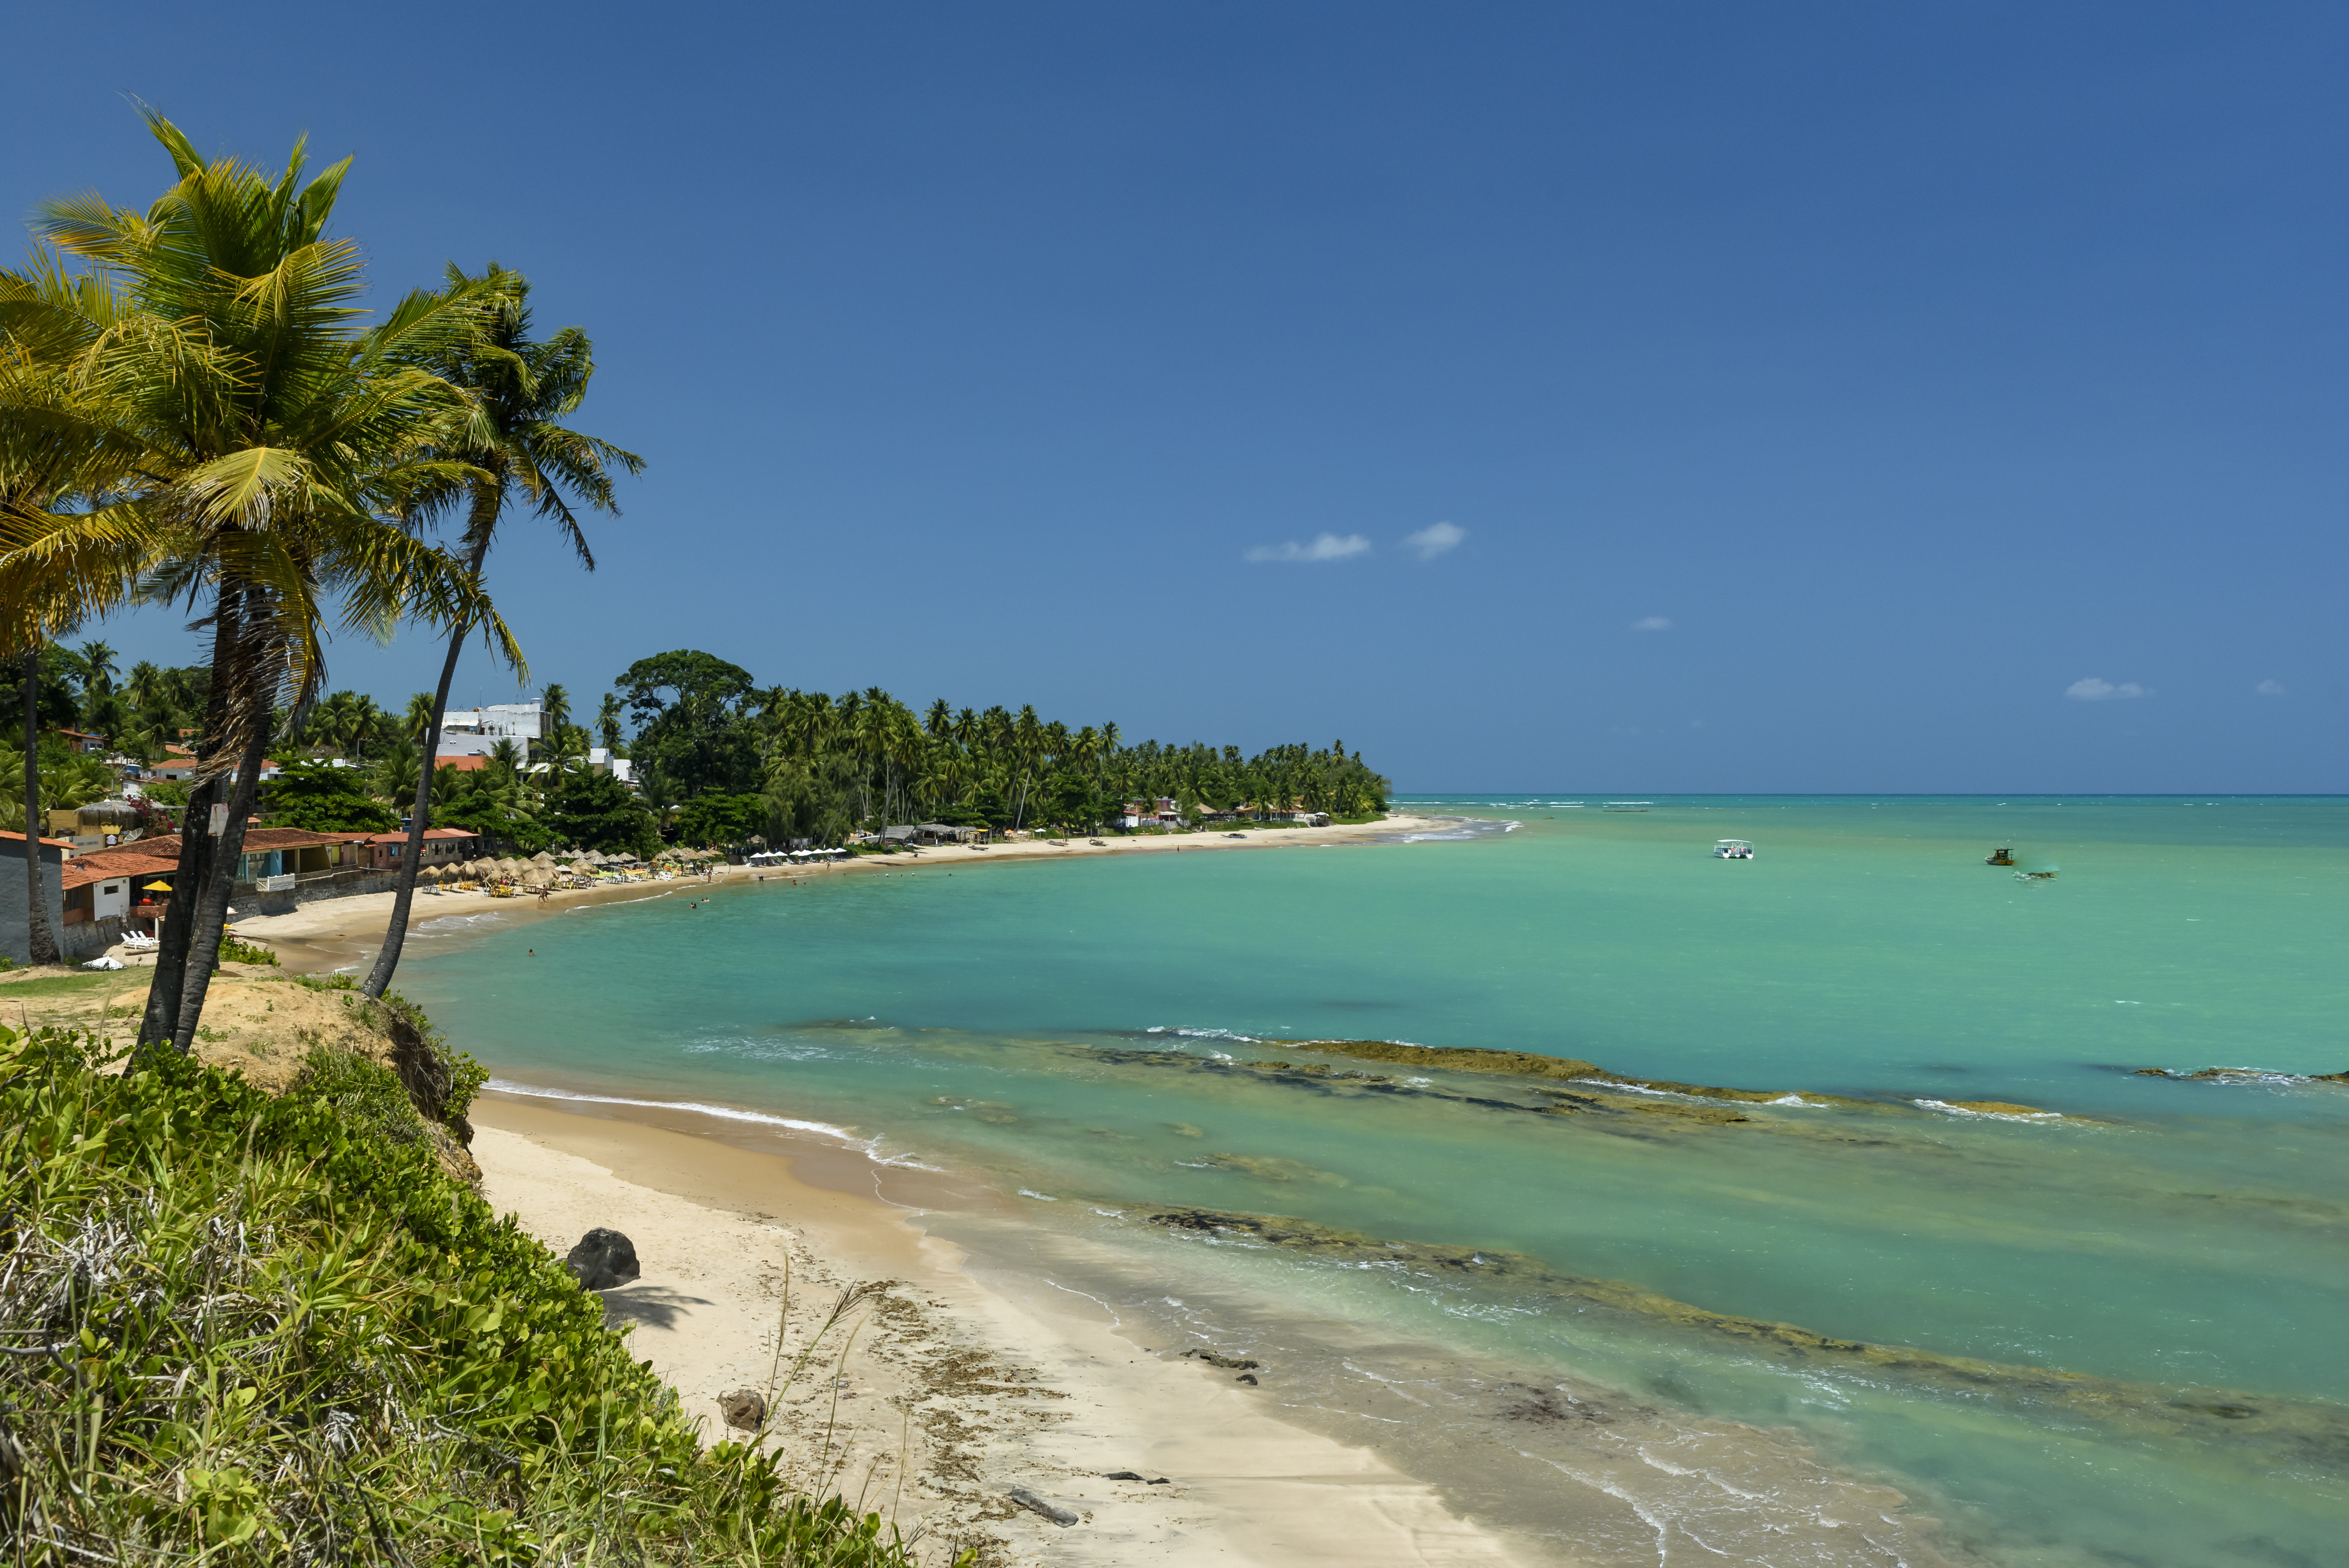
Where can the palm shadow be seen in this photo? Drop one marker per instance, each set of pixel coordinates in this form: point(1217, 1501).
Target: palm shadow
point(654, 1306)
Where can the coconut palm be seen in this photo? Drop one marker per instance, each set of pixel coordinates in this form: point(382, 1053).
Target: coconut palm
point(555, 705)
point(63, 444)
point(416, 721)
point(280, 446)
point(607, 720)
point(518, 450)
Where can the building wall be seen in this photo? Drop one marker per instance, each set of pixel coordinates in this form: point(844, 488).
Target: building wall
point(14, 938)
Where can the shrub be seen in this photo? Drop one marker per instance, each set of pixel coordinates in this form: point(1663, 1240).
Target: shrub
point(258, 1331)
point(232, 951)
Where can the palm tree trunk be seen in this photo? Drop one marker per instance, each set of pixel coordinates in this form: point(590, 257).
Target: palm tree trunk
point(411, 854)
point(210, 915)
point(161, 1019)
point(40, 940)
point(162, 1015)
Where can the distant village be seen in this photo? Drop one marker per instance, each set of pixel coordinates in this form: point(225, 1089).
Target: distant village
point(117, 857)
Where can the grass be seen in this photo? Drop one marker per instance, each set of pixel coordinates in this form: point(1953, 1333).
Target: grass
point(245, 1330)
point(61, 985)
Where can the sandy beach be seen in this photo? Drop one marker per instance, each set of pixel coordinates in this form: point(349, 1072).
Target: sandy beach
point(950, 1394)
point(336, 932)
point(933, 1394)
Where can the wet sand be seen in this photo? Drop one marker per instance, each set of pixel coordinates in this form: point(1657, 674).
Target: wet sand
point(951, 1393)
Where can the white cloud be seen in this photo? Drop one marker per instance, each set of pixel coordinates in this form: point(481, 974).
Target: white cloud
point(1652, 623)
point(1435, 539)
point(2270, 688)
point(2095, 688)
point(1325, 547)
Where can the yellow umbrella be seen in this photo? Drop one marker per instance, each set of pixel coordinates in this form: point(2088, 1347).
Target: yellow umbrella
point(157, 887)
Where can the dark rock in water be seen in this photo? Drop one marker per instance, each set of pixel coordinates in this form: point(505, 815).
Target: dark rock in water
point(2224, 1412)
point(603, 1259)
point(1228, 1363)
point(745, 1409)
point(1034, 1504)
point(1247, 1377)
point(1122, 1475)
point(2241, 1075)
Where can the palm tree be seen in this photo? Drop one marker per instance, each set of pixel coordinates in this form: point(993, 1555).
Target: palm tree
point(517, 449)
point(99, 666)
point(416, 718)
point(554, 703)
point(279, 447)
point(62, 444)
point(607, 721)
point(363, 721)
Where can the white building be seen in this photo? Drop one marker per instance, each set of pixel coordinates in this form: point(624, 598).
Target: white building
point(476, 731)
point(620, 768)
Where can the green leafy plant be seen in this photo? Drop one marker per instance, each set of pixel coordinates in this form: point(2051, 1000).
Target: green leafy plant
point(265, 1333)
point(232, 951)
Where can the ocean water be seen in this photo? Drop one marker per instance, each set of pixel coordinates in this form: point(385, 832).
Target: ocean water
point(1860, 1325)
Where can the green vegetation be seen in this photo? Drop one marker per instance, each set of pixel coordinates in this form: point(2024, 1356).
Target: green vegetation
point(273, 1330)
point(325, 799)
point(714, 753)
point(60, 984)
point(232, 951)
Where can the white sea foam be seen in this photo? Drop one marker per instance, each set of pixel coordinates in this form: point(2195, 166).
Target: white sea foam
point(1946, 1109)
point(869, 1146)
point(460, 923)
point(1040, 1197)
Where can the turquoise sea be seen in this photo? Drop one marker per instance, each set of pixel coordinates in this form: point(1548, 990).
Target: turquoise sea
point(2109, 1336)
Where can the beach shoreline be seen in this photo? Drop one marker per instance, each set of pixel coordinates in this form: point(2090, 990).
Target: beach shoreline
point(952, 1392)
point(338, 933)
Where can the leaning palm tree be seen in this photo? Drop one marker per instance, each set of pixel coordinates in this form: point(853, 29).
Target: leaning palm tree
point(281, 449)
point(517, 451)
point(62, 444)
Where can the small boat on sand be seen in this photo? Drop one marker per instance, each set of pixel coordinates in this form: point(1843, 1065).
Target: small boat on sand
point(1734, 849)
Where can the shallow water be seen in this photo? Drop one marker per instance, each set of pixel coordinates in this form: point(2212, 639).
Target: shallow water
point(1084, 1031)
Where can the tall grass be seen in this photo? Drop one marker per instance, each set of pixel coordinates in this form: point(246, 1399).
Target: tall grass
point(237, 1330)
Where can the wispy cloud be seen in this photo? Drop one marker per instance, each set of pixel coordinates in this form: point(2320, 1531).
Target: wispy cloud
point(1652, 623)
point(2095, 688)
point(1325, 547)
point(2270, 688)
point(1435, 539)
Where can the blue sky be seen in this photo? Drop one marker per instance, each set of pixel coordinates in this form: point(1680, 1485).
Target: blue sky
point(1818, 397)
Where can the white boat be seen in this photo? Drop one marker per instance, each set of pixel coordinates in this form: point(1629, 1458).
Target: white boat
point(1734, 849)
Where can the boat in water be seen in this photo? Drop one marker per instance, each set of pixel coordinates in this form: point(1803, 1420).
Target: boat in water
point(2001, 856)
point(1734, 849)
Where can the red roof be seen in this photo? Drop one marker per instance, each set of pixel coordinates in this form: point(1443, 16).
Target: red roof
point(467, 764)
point(429, 834)
point(137, 858)
point(61, 843)
point(81, 873)
point(255, 841)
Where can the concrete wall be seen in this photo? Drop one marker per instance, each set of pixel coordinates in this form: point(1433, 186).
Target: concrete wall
point(248, 900)
point(13, 934)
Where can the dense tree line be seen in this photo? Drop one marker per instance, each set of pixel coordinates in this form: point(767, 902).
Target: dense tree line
point(725, 760)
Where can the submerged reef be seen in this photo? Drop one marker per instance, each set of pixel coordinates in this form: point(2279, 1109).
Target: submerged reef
point(2242, 1075)
point(1608, 1102)
point(2274, 1431)
point(1526, 1064)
